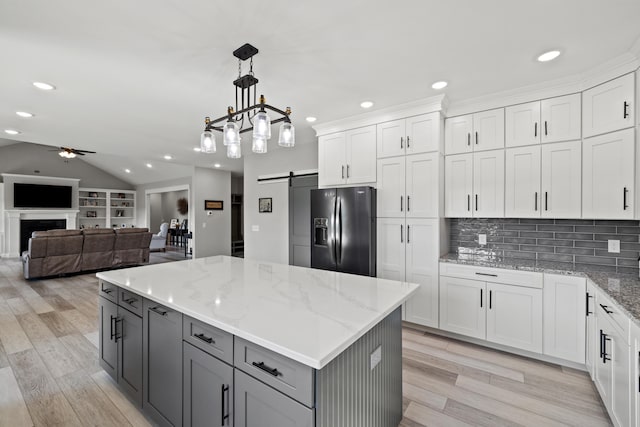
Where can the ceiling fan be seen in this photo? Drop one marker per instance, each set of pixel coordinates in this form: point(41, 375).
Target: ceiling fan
point(70, 153)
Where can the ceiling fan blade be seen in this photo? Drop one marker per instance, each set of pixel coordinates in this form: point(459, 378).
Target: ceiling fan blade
point(83, 151)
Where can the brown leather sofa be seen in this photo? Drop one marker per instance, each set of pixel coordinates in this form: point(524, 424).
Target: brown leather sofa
point(56, 252)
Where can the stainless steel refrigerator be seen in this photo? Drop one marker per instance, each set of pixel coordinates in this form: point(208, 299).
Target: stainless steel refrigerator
point(343, 230)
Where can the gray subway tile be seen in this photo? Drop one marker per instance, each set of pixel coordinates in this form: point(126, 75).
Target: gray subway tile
point(536, 248)
point(628, 230)
point(574, 236)
point(591, 244)
point(574, 221)
point(601, 268)
point(510, 220)
point(495, 239)
point(622, 237)
point(537, 234)
point(523, 227)
point(575, 251)
point(622, 254)
point(595, 229)
point(556, 228)
point(629, 246)
point(530, 221)
point(628, 270)
point(504, 246)
point(624, 262)
point(555, 257)
point(521, 255)
point(520, 240)
point(618, 222)
point(595, 260)
point(555, 242)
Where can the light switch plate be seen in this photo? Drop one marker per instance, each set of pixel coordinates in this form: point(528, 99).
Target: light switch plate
point(482, 239)
point(376, 357)
point(614, 246)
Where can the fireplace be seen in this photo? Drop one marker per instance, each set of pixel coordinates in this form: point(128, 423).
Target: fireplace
point(28, 226)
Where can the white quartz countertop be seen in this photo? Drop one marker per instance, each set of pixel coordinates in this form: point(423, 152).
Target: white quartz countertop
point(306, 314)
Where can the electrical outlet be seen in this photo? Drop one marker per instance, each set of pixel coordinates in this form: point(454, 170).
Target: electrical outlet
point(376, 357)
point(614, 246)
point(482, 239)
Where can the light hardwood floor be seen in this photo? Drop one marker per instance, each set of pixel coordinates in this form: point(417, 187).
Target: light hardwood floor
point(49, 375)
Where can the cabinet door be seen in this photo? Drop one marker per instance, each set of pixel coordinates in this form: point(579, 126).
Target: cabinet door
point(130, 354)
point(361, 155)
point(603, 368)
point(561, 195)
point(620, 379)
point(208, 389)
point(390, 248)
point(457, 134)
point(608, 107)
point(592, 342)
point(462, 306)
point(488, 130)
point(108, 313)
point(488, 184)
point(608, 176)
point(635, 376)
point(391, 138)
point(331, 159)
point(560, 118)
point(514, 316)
point(423, 185)
point(423, 251)
point(522, 123)
point(423, 133)
point(258, 405)
point(391, 187)
point(522, 182)
point(162, 363)
point(458, 185)
point(564, 317)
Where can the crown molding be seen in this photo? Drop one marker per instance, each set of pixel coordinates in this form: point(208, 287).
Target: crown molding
point(623, 64)
point(438, 103)
point(635, 48)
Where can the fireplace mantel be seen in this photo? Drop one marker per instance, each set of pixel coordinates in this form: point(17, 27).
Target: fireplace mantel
point(12, 224)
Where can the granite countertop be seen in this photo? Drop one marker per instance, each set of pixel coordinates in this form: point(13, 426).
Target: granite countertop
point(306, 314)
point(624, 289)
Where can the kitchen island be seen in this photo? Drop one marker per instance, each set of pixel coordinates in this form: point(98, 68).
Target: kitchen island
point(226, 341)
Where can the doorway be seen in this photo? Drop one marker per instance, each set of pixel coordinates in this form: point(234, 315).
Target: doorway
point(300, 219)
point(167, 205)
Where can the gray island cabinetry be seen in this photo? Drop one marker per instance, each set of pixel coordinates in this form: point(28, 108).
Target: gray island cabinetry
point(219, 348)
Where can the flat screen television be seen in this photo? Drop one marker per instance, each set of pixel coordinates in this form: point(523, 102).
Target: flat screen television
point(41, 196)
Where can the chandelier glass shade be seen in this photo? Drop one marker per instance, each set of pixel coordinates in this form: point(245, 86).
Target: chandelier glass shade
point(248, 115)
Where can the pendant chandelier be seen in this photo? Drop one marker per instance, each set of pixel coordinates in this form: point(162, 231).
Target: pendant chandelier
point(248, 115)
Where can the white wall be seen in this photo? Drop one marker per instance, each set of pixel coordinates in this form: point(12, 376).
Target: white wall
point(141, 198)
point(271, 242)
point(155, 211)
point(211, 233)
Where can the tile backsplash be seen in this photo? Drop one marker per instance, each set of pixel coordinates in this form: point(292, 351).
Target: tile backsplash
point(578, 243)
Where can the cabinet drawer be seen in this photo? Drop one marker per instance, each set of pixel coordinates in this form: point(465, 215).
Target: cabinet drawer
point(290, 377)
point(208, 338)
point(527, 279)
point(130, 301)
point(607, 308)
point(259, 405)
point(108, 290)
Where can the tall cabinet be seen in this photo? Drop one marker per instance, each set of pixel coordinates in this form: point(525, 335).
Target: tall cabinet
point(104, 208)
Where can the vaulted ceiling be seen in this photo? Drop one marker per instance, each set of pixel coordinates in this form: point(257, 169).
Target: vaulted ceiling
point(135, 79)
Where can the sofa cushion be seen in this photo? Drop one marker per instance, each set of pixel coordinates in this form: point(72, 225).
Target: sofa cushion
point(56, 233)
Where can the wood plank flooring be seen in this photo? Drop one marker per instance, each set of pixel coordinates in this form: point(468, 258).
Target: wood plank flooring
point(49, 373)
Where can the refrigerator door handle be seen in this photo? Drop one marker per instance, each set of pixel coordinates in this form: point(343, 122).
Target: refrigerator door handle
point(333, 232)
point(339, 232)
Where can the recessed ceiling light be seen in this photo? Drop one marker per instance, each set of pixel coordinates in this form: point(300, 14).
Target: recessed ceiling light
point(548, 56)
point(366, 104)
point(439, 85)
point(197, 149)
point(11, 132)
point(149, 165)
point(44, 86)
point(168, 157)
point(24, 114)
point(127, 170)
point(311, 119)
point(216, 165)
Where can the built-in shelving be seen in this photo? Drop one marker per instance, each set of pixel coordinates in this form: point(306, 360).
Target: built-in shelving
point(102, 208)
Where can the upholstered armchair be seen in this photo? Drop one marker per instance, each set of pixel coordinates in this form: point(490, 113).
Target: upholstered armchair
point(159, 241)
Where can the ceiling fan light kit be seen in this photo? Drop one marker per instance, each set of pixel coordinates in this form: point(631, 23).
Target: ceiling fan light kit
point(248, 115)
point(71, 153)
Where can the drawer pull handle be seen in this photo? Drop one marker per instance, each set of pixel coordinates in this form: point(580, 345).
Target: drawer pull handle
point(107, 291)
point(625, 113)
point(486, 274)
point(130, 301)
point(606, 309)
point(225, 407)
point(272, 371)
point(588, 296)
point(204, 338)
point(158, 311)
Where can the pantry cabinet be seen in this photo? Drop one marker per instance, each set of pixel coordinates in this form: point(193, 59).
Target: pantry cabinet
point(347, 158)
point(475, 132)
point(591, 340)
point(418, 134)
point(608, 172)
point(609, 107)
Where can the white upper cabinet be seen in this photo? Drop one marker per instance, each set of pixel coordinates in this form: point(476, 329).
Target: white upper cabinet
point(419, 134)
point(608, 176)
point(609, 106)
point(560, 118)
point(332, 157)
point(561, 188)
point(422, 185)
point(475, 132)
point(522, 182)
point(522, 124)
point(488, 184)
point(391, 187)
point(458, 185)
point(347, 158)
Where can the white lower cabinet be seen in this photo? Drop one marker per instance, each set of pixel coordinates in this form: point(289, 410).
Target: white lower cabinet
point(408, 250)
point(591, 341)
point(564, 317)
point(462, 306)
point(635, 372)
